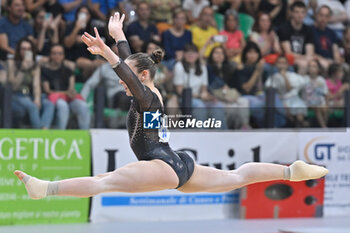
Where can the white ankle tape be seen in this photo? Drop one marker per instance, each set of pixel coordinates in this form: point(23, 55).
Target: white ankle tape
point(37, 188)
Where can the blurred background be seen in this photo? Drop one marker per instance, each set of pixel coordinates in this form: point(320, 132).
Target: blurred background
point(275, 72)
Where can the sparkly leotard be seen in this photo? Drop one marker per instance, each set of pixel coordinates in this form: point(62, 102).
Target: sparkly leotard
point(145, 142)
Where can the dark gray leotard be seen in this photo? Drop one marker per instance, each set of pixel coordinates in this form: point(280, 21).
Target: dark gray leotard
point(145, 142)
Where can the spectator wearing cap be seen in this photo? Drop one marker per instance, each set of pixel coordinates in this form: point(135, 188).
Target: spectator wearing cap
point(162, 10)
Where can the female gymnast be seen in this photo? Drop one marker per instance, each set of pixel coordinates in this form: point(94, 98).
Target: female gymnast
point(159, 167)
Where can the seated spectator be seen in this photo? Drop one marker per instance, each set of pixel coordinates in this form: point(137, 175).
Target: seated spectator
point(202, 32)
point(264, 36)
point(13, 27)
point(316, 91)
point(142, 30)
point(194, 8)
point(248, 80)
point(345, 46)
point(336, 88)
point(58, 83)
point(74, 44)
point(175, 39)
point(45, 30)
point(24, 76)
point(289, 84)
point(251, 7)
point(100, 8)
point(311, 12)
point(296, 38)
point(115, 93)
point(162, 10)
point(235, 39)
point(326, 41)
point(339, 15)
point(52, 6)
point(190, 73)
point(220, 71)
point(276, 9)
point(3, 75)
point(70, 8)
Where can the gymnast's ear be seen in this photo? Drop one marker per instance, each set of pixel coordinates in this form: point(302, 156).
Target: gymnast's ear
point(144, 75)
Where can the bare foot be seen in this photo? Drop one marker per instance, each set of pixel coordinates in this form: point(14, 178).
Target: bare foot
point(19, 174)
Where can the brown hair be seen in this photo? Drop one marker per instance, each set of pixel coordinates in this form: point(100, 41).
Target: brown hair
point(144, 61)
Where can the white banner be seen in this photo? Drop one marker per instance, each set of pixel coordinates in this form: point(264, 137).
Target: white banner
point(331, 149)
point(225, 150)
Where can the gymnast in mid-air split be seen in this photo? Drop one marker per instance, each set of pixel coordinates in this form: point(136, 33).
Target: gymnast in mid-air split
point(159, 167)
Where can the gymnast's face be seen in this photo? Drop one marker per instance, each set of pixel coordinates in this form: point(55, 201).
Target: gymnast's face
point(143, 76)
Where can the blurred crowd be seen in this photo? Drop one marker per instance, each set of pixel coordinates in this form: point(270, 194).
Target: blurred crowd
point(224, 53)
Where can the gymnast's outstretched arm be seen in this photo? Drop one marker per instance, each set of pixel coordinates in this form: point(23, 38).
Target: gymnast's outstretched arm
point(115, 28)
point(140, 92)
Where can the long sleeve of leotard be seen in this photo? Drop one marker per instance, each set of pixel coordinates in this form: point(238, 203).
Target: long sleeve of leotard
point(140, 92)
point(123, 49)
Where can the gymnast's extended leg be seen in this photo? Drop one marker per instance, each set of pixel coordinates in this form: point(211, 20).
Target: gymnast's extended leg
point(207, 179)
point(142, 176)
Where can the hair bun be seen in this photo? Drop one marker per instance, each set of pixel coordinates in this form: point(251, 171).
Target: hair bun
point(157, 56)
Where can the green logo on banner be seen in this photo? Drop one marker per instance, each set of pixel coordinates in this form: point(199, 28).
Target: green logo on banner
point(49, 155)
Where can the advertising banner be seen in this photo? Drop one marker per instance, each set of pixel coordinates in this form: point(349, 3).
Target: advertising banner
point(222, 150)
point(331, 149)
point(49, 155)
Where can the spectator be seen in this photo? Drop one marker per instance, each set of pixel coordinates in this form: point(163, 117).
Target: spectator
point(100, 8)
point(194, 8)
point(3, 74)
point(142, 30)
point(202, 32)
point(116, 97)
point(296, 38)
point(175, 39)
point(251, 7)
point(235, 38)
point(70, 8)
point(336, 88)
point(276, 9)
point(311, 12)
point(289, 84)
point(339, 16)
point(13, 27)
point(326, 41)
point(24, 76)
point(51, 6)
point(345, 46)
point(163, 78)
point(162, 10)
point(316, 91)
point(264, 36)
point(190, 73)
point(45, 30)
point(248, 80)
point(76, 47)
point(220, 71)
point(58, 83)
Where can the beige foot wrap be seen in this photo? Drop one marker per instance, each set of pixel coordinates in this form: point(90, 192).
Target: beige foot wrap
point(36, 188)
point(300, 170)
